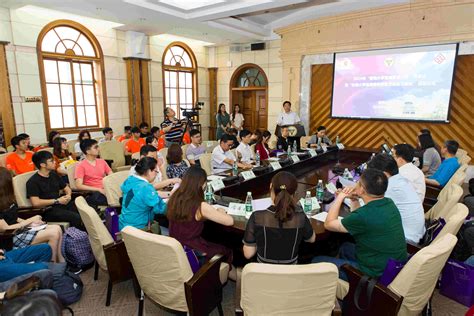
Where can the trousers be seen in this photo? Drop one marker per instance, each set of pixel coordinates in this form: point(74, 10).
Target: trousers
point(24, 260)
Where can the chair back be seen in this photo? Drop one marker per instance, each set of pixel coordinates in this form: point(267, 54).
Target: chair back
point(10, 149)
point(252, 148)
point(461, 153)
point(205, 161)
point(210, 149)
point(136, 156)
point(71, 171)
point(458, 177)
point(464, 160)
point(308, 289)
point(161, 267)
point(163, 167)
point(19, 188)
point(184, 148)
point(50, 149)
point(113, 151)
point(418, 278)
point(98, 234)
point(3, 159)
point(163, 152)
point(112, 184)
point(447, 198)
point(123, 168)
point(454, 220)
point(304, 141)
point(70, 145)
point(272, 142)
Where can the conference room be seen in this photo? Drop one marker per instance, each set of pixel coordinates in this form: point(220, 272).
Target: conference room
point(292, 157)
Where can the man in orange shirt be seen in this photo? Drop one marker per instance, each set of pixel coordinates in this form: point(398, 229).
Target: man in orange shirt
point(135, 143)
point(20, 161)
point(126, 133)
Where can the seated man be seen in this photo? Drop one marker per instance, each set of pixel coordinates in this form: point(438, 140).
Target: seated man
point(283, 142)
point(232, 132)
point(403, 155)
point(319, 138)
point(108, 135)
point(403, 194)
point(135, 143)
point(376, 227)
point(222, 158)
point(127, 133)
point(20, 161)
point(144, 130)
point(158, 183)
point(91, 171)
point(244, 152)
point(195, 149)
point(21, 261)
point(448, 167)
point(43, 190)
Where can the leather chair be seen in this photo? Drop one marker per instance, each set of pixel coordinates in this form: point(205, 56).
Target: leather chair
point(412, 288)
point(205, 161)
point(112, 189)
point(113, 150)
point(165, 276)
point(448, 197)
point(271, 289)
point(109, 256)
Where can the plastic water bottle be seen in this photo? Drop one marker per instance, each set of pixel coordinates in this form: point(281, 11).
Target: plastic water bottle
point(289, 150)
point(248, 205)
point(337, 140)
point(209, 195)
point(320, 191)
point(295, 149)
point(257, 158)
point(346, 175)
point(235, 169)
point(308, 203)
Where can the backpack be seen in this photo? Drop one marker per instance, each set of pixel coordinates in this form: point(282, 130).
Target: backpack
point(465, 246)
point(67, 285)
point(76, 248)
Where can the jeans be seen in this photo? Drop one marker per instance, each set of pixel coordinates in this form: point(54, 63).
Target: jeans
point(18, 262)
point(45, 276)
point(64, 213)
point(347, 255)
point(96, 199)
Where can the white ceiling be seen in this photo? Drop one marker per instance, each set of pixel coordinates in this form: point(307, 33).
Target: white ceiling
point(212, 21)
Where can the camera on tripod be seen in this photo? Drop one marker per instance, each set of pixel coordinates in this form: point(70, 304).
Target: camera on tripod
point(190, 113)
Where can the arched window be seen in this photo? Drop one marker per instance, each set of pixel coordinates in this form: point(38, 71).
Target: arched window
point(72, 77)
point(252, 77)
point(179, 77)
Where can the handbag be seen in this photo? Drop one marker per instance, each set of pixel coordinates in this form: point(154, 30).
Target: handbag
point(391, 271)
point(457, 282)
point(432, 230)
point(369, 284)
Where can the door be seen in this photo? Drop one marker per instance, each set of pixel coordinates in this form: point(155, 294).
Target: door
point(248, 109)
point(261, 111)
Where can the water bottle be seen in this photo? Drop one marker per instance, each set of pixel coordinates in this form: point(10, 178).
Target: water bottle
point(248, 205)
point(295, 149)
point(289, 150)
point(209, 195)
point(257, 158)
point(346, 175)
point(308, 203)
point(337, 139)
point(372, 157)
point(235, 169)
point(320, 191)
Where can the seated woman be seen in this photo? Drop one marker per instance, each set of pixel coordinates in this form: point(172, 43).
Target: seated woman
point(51, 234)
point(431, 157)
point(140, 199)
point(262, 145)
point(61, 154)
point(176, 165)
point(83, 134)
point(275, 234)
point(187, 212)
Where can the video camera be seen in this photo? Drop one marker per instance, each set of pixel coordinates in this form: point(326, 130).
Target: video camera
point(189, 113)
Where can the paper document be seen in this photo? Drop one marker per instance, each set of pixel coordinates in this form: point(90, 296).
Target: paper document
point(261, 204)
point(314, 203)
point(38, 228)
point(347, 201)
point(322, 216)
point(346, 183)
point(214, 177)
point(237, 209)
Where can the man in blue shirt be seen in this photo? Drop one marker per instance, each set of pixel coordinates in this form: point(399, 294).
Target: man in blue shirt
point(448, 167)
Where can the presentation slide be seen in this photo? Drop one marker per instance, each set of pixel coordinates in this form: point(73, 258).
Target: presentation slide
point(412, 83)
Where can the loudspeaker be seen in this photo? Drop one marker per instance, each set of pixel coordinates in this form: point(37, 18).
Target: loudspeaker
point(257, 46)
point(135, 44)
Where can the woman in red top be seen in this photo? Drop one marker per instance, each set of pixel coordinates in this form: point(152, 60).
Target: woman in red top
point(262, 145)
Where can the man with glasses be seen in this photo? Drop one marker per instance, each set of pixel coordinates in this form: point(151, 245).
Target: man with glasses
point(222, 158)
point(91, 171)
point(376, 227)
point(195, 149)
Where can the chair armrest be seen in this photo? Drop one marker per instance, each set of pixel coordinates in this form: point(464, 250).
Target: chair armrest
point(76, 193)
point(413, 247)
point(337, 311)
point(238, 293)
point(383, 302)
point(6, 239)
point(118, 262)
point(204, 290)
point(432, 191)
point(29, 211)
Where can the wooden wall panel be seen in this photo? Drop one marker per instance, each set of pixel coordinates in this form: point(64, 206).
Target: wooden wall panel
point(7, 116)
point(138, 90)
point(372, 134)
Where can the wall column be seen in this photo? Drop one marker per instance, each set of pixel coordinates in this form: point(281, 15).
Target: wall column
point(138, 84)
point(212, 101)
point(7, 118)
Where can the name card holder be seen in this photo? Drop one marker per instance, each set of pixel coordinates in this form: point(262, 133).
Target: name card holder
point(324, 147)
point(248, 175)
point(340, 146)
point(275, 165)
point(313, 153)
point(295, 158)
point(217, 184)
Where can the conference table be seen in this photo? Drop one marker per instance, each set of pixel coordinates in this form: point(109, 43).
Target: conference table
point(307, 171)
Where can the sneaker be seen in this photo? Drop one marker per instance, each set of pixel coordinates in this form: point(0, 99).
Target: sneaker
point(74, 270)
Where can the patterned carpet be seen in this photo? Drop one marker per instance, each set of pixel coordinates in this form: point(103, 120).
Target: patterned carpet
point(124, 302)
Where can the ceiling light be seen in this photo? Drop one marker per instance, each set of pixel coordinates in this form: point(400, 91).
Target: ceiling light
point(190, 5)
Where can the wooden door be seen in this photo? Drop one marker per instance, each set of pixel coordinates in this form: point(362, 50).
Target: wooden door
point(261, 113)
point(248, 109)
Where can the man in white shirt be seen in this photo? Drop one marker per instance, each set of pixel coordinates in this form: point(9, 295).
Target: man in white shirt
point(108, 135)
point(403, 195)
point(244, 153)
point(288, 117)
point(222, 158)
point(403, 155)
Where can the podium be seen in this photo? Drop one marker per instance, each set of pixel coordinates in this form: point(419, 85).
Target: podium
point(296, 131)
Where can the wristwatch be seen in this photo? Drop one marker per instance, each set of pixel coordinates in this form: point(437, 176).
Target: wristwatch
point(56, 201)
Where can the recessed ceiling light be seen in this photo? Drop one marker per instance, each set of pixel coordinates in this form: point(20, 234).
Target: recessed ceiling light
point(190, 5)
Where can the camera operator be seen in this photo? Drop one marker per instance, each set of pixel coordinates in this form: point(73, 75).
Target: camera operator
point(172, 127)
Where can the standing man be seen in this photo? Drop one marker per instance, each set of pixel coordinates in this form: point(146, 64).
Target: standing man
point(172, 128)
point(403, 155)
point(20, 161)
point(288, 117)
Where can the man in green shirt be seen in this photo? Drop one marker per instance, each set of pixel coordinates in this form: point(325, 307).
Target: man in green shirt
point(376, 227)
